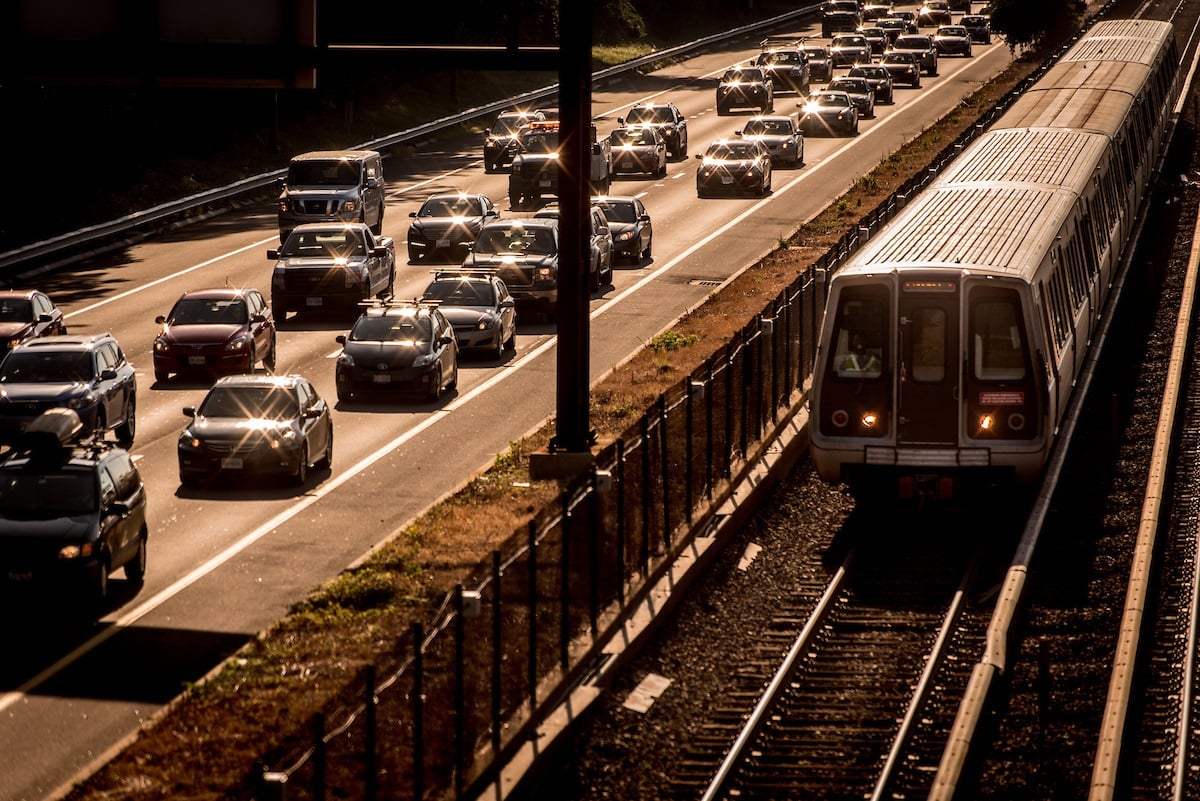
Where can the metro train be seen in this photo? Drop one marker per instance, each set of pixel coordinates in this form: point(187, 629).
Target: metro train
point(951, 340)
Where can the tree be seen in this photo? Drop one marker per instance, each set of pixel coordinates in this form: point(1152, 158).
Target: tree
point(1030, 23)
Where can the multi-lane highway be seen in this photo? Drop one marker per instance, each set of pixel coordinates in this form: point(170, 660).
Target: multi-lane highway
point(226, 561)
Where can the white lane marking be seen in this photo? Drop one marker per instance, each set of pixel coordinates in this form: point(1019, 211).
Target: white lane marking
point(169, 592)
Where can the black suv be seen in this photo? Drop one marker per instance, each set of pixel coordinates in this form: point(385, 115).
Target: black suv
point(87, 374)
point(71, 512)
point(669, 121)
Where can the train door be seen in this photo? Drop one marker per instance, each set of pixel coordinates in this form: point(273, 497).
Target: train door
point(928, 363)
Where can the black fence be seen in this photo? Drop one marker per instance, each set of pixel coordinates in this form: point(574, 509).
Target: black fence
point(471, 689)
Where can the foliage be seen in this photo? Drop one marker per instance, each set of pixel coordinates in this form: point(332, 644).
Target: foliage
point(671, 340)
point(1029, 23)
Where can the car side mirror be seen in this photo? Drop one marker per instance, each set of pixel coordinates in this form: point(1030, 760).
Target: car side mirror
point(372, 183)
point(118, 508)
point(273, 254)
point(620, 120)
point(340, 339)
point(595, 148)
point(161, 320)
point(108, 374)
point(445, 340)
point(379, 251)
point(312, 413)
point(491, 213)
point(189, 411)
point(487, 131)
point(645, 218)
point(259, 317)
point(699, 157)
point(45, 318)
point(507, 303)
point(412, 214)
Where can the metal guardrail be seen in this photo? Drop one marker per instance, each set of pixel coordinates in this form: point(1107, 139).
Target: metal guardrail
point(91, 235)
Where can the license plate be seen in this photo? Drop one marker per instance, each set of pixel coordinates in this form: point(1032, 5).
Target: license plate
point(726, 179)
point(20, 575)
point(544, 183)
point(196, 361)
point(381, 379)
point(627, 163)
point(313, 301)
point(231, 463)
point(443, 243)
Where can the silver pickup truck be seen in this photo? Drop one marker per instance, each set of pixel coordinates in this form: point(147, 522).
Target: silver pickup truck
point(330, 265)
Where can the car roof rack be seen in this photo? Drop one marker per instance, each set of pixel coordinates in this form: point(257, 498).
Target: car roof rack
point(464, 272)
point(53, 435)
point(782, 41)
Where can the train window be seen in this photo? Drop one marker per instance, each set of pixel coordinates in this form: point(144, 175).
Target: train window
point(997, 338)
point(860, 333)
point(929, 345)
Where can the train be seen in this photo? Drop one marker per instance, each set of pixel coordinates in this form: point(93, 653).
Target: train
point(952, 339)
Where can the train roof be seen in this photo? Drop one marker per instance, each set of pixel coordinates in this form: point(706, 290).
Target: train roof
point(1094, 96)
point(1121, 40)
point(995, 210)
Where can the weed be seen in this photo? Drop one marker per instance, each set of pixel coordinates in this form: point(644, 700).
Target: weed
point(671, 340)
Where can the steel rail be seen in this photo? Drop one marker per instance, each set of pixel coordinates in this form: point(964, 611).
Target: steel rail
point(91, 236)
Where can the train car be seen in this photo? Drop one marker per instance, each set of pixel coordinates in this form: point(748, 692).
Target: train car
point(952, 339)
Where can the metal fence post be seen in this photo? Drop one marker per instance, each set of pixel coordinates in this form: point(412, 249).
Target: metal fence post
point(418, 706)
point(708, 428)
point(531, 667)
point(646, 484)
point(564, 623)
point(497, 651)
point(664, 457)
point(370, 746)
point(594, 555)
point(688, 470)
point(460, 699)
point(620, 482)
point(320, 755)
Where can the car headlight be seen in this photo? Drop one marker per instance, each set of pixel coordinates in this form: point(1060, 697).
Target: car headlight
point(424, 360)
point(283, 206)
point(83, 550)
point(624, 236)
point(544, 273)
point(161, 345)
point(189, 440)
point(345, 360)
point(238, 343)
point(80, 401)
point(485, 324)
point(350, 205)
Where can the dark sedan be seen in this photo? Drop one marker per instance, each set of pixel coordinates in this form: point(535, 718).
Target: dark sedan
point(211, 331)
point(952, 40)
point(780, 134)
point(398, 347)
point(629, 223)
point(829, 114)
point(820, 68)
point(920, 46)
point(933, 13)
point(903, 67)
point(255, 424)
point(27, 314)
point(638, 150)
point(479, 307)
point(860, 91)
point(745, 87)
point(734, 165)
point(979, 27)
point(446, 225)
point(879, 79)
point(849, 49)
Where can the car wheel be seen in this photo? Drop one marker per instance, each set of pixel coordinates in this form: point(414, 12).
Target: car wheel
point(300, 477)
point(435, 388)
point(683, 147)
point(510, 344)
point(128, 427)
point(662, 171)
point(135, 568)
point(377, 228)
point(269, 359)
point(99, 588)
point(453, 385)
point(646, 251)
point(606, 278)
point(327, 460)
point(498, 351)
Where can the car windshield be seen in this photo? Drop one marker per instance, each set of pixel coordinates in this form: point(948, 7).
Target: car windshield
point(854, 86)
point(868, 72)
point(742, 76)
point(817, 53)
point(16, 310)
point(462, 293)
point(779, 57)
point(849, 41)
point(451, 207)
point(632, 136)
point(897, 58)
point(392, 328)
point(46, 367)
point(194, 311)
point(618, 211)
point(952, 31)
point(332, 172)
point(539, 141)
point(912, 43)
point(831, 100)
point(732, 151)
point(251, 402)
point(648, 114)
point(536, 241)
point(762, 127)
point(37, 494)
point(323, 244)
point(508, 126)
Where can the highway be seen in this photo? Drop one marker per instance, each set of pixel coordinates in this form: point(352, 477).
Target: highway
point(228, 560)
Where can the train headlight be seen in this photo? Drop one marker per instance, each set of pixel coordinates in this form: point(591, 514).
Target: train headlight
point(986, 422)
point(869, 419)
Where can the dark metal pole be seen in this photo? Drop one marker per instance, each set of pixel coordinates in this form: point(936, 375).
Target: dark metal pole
point(572, 431)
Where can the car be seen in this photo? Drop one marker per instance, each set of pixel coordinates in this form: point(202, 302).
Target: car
point(959, 5)
point(535, 167)
point(249, 425)
point(630, 226)
point(600, 244)
point(840, 15)
point(829, 114)
point(72, 512)
point(398, 347)
point(785, 64)
point(669, 121)
point(745, 87)
point(734, 165)
point(876, 37)
point(780, 134)
point(638, 150)
point(903, 67)
point(27, 314)
point(921, 46)
point(222, 330)
point(480, 309)
point(499, 144)
point(848, 49)
point(547, 112)
point(820, 68)
point(324, 266)
point(933, 13)
point(446, 224)
point(874, 9)
point(893, 27)
point(879, 79)
point(978, 26)
point(860, 91)
point(88, 374)
point(952, 40)
point(523, 253)
point(332, 186)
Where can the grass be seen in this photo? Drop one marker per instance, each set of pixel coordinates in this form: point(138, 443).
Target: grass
point(218, 733)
